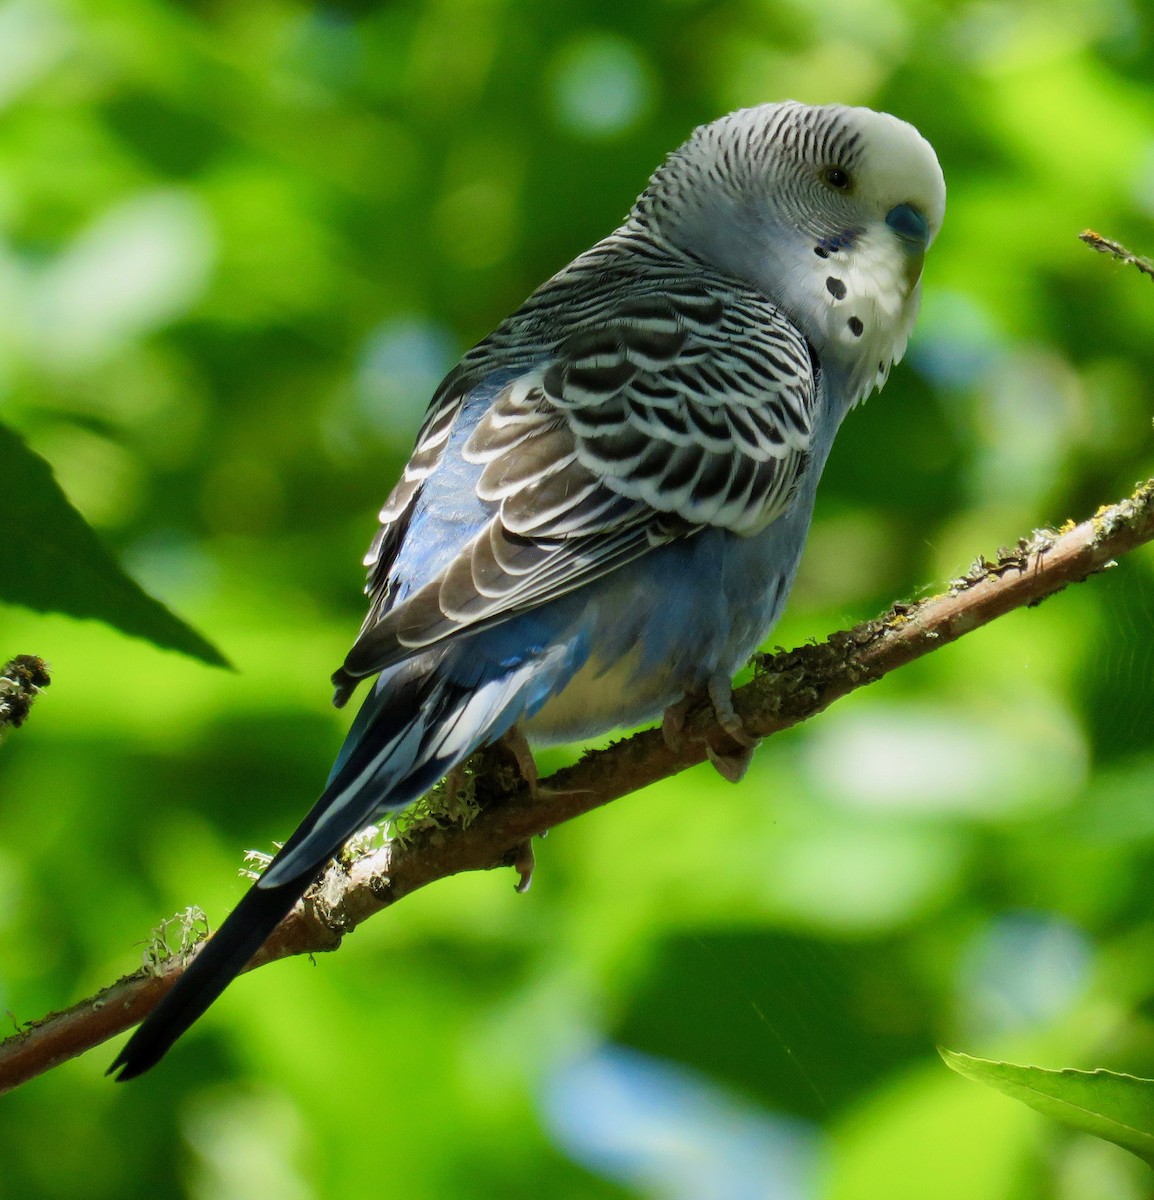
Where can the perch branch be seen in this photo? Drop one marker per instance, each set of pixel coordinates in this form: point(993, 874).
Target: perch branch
point(787, 688)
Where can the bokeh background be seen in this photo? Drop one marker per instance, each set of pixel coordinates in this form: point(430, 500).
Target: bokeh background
point(239, 244)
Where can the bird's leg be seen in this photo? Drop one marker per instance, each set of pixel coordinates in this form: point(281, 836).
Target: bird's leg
point(521, 857)
point(518, 746)
point(673, 720)
point(730, 763)
point(454, 782)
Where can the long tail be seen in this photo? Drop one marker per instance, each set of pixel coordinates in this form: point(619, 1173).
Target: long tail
point(405, 739)
point(219, 961)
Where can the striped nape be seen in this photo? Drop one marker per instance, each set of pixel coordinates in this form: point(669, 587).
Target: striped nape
point(749, 149)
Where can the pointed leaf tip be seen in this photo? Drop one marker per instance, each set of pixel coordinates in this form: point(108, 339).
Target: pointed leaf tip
point(1118, 1108)
point(51, 560)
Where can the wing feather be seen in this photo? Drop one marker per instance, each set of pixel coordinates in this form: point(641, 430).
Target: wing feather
point(668, 410)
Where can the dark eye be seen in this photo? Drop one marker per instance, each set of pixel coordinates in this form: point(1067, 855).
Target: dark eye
point(837, 177)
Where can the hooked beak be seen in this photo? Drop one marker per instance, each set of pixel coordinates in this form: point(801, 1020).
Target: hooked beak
point(913, 231)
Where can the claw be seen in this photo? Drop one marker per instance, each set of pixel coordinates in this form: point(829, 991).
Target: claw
point(523, 861)
point(730, 763)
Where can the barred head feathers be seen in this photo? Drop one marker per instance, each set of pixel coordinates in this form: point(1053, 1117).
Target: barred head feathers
point(825, 210)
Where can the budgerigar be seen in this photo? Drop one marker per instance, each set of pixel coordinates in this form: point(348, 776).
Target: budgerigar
point(609, 495)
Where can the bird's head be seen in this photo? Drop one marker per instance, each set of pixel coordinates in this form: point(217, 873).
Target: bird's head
point(827, 211)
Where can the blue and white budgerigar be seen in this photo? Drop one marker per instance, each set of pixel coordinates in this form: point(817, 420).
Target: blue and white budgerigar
point(609, 495)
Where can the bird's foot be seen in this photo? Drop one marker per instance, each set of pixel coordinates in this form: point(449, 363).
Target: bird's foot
point(518, 746)
point(521, 857)
point(730, 760)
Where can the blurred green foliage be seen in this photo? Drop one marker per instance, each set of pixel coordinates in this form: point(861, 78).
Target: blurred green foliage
point(238, 245)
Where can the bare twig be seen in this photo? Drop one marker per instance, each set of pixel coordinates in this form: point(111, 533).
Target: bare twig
point(787, 688)
point(1105, 245)
point(22, 679)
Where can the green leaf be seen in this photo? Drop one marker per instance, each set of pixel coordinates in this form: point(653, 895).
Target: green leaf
point(52, 561)
point(1118, 1108)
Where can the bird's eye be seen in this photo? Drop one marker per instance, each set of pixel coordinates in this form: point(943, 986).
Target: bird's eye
point(837, 177)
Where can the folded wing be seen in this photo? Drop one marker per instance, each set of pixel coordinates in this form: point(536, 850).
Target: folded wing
point(678, 409)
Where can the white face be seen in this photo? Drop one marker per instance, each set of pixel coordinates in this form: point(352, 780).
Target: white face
point(885, 202)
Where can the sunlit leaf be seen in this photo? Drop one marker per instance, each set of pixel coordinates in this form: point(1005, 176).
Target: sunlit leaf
point(52, 561)
point(1118, 1108)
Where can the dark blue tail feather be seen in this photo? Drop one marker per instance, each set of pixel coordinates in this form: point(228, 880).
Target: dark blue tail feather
point(411, 735)
point(219, 961)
